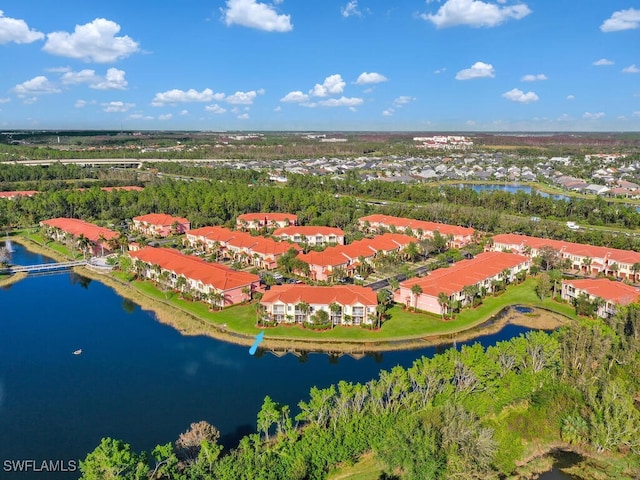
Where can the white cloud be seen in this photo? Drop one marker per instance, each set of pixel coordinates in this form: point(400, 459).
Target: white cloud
point(244, 116)
point(631, 69)
point(242, 98)
point(17, 31)
point(95, 42)
point(475, 13)
point(351, 9)
point(403, 100)
point(36, 86)
point(139, 116)
point(332, 85)
point(4, 100)
point(277, 109)
point(636, 114)
point(180, 96)
point(517, 95)
point(184, 112)
point(440, 70)
point(571, 97)
point(111, 107)
point(341, 102)
point(622, 20)
point(113, 80)
point(388, 112)
point(533, 78)
point(592, 116)
point(252, 14)
point(215, 108)
point(295, 97)
point(603, 62)
point(477, 70)
point(373, 77)
point(166, 116)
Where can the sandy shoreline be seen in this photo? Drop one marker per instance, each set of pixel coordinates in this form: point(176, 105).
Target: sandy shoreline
point(189, 324)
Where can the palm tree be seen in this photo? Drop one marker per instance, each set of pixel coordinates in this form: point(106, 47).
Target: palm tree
point(181, 283)
point(246, 291)
point(555, 276)
point(303, 307)
point(163, 279)
point(217, 298)
point(416, 290)
point(336, 312)
point(102, 240)
point(443, 301)
point(635, 268)
point(83, 244)
point(587, 261)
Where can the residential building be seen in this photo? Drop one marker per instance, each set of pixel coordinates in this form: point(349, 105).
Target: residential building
point(480, 273)
point(587, 259)
point(241, 246)
point(310, 235)
point(18, 193)
point(255, 221)
point(218, 284)
point(344, 304)
point(100, 239)
point(456, 236)
point(324, 265)
point(160, 225)
point(613, 294)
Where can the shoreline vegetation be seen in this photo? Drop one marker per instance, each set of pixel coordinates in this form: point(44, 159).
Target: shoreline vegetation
point(194, 319)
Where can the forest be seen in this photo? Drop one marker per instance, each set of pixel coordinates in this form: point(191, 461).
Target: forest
point(468, 413)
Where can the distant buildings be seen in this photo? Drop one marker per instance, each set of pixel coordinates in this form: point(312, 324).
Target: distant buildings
point(450, 283)
point(218, 284)
point(612, 294)
point(160, 225)
point(343, 305)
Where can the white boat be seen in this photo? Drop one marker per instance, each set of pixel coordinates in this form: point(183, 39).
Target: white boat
point(77, 352)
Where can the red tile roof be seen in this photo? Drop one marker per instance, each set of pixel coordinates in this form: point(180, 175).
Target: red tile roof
point(402, 223)
point(614, 292)
point(160, 219)
point(344, 295)
point(466, 273)
point(309, 231)
point(578, 249)
point(267, 217)
point(18, 193)
point(221, 277)
point(127, 189)
point(79, 227)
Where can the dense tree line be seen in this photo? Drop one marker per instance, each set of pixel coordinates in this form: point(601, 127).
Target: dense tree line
point(466, 413)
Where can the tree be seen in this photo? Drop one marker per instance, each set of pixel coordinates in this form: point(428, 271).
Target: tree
point(113, 459)
point(416, 290)
point(303, 307)
point(217, 298)
point(443, 301)
point(336, 312)
point(549, 258)
point(267, 416)
point(83, 244)
point(189, 443)
point(543, 285)
point(555, 276)
point(246, 291)
point(635, 269)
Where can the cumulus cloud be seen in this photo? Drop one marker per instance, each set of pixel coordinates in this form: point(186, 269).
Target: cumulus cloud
point(92, 42)
point(622, 20)
point(403, 100)
point(215, 108)
point(475, 13)
point(517, 95)
point(631, 69)
point(533, 78)
point(117, 107)
point(332, 85)
point(242, 98)
point(295, 97)
point(603, 62)
point(341, 102)
point(39, 85)
point(351, 9)
point(171, 97)
point(166, 116)
point(571, 97)
point(17, 31)
point(592, 116)
point(252, 14)
point(373, 77)
point(477, 70)
point(112, 80)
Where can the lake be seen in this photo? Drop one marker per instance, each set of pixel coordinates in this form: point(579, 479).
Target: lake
point(137, 380)
point(511, 188)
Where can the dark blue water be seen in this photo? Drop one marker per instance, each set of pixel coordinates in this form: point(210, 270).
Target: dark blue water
point(137, 379)
point(512, 188)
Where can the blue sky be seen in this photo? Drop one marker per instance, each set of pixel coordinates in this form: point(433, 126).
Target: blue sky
point(422, 65)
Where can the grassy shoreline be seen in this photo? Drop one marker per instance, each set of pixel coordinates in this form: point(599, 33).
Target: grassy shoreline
point(404, 331)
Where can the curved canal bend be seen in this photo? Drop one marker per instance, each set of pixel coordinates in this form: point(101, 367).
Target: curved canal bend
point(138, 380)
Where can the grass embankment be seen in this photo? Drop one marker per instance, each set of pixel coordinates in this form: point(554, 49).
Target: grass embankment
point(405, 329)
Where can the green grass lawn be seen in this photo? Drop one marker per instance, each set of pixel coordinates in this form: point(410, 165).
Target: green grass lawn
point(403, 324)
point(367, 468)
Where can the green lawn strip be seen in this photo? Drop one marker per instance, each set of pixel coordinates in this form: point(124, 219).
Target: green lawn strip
point(403, 324)
point(368, 467)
